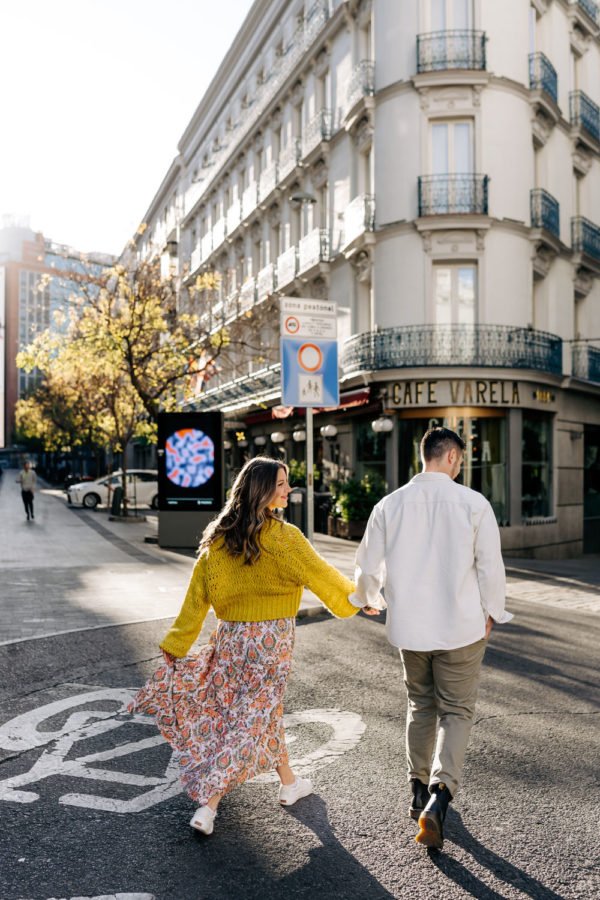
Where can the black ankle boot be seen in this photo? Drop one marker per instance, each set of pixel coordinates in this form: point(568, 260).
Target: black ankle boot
point(420, 798)
point(431, 820)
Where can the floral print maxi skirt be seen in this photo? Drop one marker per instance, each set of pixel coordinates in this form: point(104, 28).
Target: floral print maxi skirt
point(222, 708)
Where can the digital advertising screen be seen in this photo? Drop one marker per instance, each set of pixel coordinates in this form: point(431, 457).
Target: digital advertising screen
point(190, 461)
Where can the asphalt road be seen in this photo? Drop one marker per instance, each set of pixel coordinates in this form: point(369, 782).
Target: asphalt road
point(97, 816)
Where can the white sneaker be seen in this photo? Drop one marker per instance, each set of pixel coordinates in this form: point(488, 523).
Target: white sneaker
point(203, 820)
point(289, 793)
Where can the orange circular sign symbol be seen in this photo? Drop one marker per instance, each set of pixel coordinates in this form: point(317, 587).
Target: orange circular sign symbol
point(292, 324)
point(310, 357)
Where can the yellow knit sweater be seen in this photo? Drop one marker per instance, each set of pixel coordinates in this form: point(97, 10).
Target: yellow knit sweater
point(271, 588)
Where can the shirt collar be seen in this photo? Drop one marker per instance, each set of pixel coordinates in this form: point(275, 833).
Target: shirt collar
point(430, 476)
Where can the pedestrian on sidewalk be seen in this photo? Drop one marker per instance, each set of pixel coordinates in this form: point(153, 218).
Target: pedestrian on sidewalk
point(434, 546)
point(221, 709)
point(27, 479)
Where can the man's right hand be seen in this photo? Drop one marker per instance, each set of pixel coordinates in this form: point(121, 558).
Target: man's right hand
point(488, 626)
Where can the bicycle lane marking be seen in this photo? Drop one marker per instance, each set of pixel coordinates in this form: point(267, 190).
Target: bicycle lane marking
point(23, 733)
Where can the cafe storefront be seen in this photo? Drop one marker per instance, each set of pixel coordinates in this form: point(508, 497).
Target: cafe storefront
point(514, 456)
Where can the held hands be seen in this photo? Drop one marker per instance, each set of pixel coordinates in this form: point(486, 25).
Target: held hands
point(369, 611)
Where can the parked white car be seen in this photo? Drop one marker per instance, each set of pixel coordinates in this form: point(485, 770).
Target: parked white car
point(142, 489)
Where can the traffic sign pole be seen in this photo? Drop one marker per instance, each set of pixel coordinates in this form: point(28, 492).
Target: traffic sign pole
point(310, 485)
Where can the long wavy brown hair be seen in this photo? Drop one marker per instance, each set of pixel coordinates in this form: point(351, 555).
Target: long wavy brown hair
point(241, 520)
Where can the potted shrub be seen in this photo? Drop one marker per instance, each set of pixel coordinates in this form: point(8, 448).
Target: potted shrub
point(354, 501)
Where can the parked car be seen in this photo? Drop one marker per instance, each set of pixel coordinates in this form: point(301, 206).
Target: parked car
point(142, 489)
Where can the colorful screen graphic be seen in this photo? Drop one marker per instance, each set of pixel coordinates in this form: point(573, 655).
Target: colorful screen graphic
point(190, 458)
point(190, 461)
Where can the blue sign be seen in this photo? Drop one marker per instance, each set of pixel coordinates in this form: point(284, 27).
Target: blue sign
point(309, 353)
point(309, 372)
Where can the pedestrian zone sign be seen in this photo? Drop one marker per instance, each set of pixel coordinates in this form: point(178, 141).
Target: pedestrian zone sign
point(309, 353)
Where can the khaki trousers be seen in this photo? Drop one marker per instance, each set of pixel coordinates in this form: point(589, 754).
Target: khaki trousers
point(442, 690)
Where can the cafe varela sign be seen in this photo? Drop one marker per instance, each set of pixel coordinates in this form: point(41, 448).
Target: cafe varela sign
point(468, 392)
point(309, 353)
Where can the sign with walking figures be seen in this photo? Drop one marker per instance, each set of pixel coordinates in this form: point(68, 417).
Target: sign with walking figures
point(309, 353)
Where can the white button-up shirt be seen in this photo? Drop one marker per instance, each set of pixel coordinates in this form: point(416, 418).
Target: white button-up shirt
point(434, 548)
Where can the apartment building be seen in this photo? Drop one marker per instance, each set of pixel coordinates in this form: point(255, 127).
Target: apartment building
point(37, 278)
point(432, 166)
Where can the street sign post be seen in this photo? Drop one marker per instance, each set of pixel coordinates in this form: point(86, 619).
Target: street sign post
point(309, 369)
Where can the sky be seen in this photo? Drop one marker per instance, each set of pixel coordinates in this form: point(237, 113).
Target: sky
point(95, 97)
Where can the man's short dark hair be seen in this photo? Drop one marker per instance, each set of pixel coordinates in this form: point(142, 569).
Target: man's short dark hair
point(438, 441)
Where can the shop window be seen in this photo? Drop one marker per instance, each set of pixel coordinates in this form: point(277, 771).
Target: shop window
point(370, 451)
point(485, 462)
point(537, 466)
point(591, 489)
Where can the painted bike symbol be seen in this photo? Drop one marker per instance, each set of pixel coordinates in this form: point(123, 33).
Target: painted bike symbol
point(25, 732)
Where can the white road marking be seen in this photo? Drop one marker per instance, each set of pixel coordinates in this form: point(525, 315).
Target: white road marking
point(24, 733)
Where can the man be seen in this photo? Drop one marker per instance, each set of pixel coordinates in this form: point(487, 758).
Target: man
point(27, 480)
point(435, 547)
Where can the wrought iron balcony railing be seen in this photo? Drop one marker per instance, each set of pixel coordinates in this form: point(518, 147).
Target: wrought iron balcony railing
point(362, 82)
point(247, 294)
point(313, 248)
point(590, 8)
point(289, 158)
point(359, 216)
point(287, 266)
point(586, 361)
point(317, 129)
point(497, 346)
point(585, 237)
point(585, 114)
point(440, 50)
point(252, 387)
point(545, 212)
point(542, 75)
point(265, 282)
point(441, 195)
point(268, 180)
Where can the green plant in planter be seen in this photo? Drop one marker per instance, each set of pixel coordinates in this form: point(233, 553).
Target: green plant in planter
point(297, 473)
point(355, 498)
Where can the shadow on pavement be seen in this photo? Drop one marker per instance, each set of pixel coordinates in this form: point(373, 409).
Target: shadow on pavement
point(331, 867)
point(500, 868)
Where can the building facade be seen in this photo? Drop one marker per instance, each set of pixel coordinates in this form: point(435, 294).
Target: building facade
point(37, 278)
point(433, 167)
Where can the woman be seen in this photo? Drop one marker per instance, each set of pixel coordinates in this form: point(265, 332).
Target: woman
point(222, 709)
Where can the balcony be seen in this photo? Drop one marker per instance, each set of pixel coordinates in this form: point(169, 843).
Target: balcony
point(545, 234)
point(585, 120)
point(231, 306)
point(195, 259)
point(542, 75)
point(444, 50)
point(218, 233)
point(313, 249)
point(247, 295)
point(361, 84)
point(268, 181)
point(586, 17)
point(585, 242)
point(317, 130)
point(545, 211)
point(233, 216)
point(586, 361)
point(287, 267)
point(249, 200)
point(289, 159)
point(359, 217)
point(239, 393)
point(265, 283)
point(486, 346)
point(442, 195)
